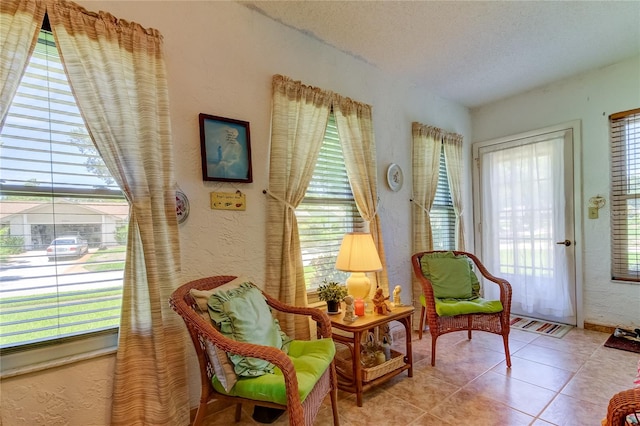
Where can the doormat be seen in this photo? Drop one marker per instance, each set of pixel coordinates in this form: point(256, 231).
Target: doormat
point(623, 344)
point(546, 328)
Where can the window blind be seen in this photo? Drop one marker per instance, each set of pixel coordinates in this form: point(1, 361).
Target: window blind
point(327, 212)
point(54, 184)
point(625, 195)
point(443, 219)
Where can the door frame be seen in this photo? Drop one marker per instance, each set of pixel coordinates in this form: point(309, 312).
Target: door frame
point(578, 205)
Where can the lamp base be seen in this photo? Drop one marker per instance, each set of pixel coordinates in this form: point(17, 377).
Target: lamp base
point(358, 285)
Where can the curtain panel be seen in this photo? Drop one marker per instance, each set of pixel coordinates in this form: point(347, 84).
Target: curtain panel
point(452, 143)
point(355, 128)
point(427, 141)
point(20, 22)
point(117, 71)
point(299, 118)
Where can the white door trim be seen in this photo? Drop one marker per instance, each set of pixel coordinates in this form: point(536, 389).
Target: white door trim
point(575, 126)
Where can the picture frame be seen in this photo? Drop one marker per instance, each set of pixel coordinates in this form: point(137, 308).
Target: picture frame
point(225, 146)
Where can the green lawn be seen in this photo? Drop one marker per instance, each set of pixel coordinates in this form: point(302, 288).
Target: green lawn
point(56, 314)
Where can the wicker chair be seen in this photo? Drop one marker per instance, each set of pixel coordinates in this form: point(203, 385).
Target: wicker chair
point(497, 323)
point(300, 412)
point(621, 405)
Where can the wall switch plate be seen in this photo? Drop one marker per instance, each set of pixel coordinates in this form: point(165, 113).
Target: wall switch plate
point(593, 212)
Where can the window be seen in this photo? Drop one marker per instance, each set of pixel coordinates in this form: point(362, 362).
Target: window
point(327, 212)
point(625, 195)
point(63, 221)
point(443, 218)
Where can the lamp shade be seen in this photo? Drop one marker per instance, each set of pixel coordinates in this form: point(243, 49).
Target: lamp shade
point(358, 254)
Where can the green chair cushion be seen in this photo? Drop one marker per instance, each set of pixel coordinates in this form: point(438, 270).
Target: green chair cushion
point(242, 314)
point(450, 275)
point(449, 307)
point(310, 359)
point(447, 282)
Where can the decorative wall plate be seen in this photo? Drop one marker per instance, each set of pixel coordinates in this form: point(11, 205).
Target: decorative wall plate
point(182, 206)
point(394, 177)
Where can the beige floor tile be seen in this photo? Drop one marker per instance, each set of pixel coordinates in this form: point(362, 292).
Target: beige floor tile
point(523, 336)
point(522, 396)
point(624, 359)
point(542, 375)
point(539, 422)
point(567, 411)
point(428, 420)
point(597, 382)
point(379, 407)
point(552, 357)
point(464, 407)
point(494, 342)
point(577, 341)
point(422, 390)
point(325, 418)
point(462, 363)
point(227, 416)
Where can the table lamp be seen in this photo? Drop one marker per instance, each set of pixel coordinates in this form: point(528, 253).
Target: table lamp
point(358, 255)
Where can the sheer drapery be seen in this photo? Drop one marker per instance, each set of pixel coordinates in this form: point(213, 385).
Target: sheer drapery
point(299, 118)
point(523, 215)
point(427, 142)
point(355, 128)
point(117, 71)
point(452, 144)
point(20, 22)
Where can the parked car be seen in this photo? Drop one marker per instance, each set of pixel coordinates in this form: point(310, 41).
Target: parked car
point(67, 247)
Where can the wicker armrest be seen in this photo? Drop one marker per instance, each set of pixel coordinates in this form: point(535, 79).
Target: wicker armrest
point(505, 286)
point(622, 404)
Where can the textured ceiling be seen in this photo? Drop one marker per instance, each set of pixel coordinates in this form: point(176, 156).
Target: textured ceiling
point(471, 52)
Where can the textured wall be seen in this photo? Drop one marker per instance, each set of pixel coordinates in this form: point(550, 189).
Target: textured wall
point(76, 394)
point(590, 98)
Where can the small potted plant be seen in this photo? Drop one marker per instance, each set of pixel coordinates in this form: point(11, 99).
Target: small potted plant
point(332, 292)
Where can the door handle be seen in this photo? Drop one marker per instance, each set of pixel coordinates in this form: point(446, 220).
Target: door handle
point(564, 243)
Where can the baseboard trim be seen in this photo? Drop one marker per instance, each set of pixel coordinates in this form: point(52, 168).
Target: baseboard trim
point(599, 327)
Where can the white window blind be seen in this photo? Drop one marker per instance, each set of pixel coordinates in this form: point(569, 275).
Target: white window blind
point(54, 184)
point(327, 212)
point(442, 214)
point(625, 195)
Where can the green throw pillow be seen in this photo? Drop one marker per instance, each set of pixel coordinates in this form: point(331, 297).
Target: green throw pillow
point(242, 314)
point(450, 275)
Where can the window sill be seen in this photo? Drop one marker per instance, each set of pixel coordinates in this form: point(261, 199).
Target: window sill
point(54, 355)
point(6, 374)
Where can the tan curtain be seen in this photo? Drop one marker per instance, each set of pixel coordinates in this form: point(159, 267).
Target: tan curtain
point(427, 142)
point(355, 128)
point(20, 22)
point(299, 119)
point(117, 71)
point(452, 144)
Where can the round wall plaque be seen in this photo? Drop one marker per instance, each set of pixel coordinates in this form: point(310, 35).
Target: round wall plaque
point(182, 206)
point(394, 177)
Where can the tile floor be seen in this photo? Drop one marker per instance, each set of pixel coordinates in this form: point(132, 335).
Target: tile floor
point(552, 381)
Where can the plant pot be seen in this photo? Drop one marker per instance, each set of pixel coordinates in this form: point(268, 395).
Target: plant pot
point(333, 306)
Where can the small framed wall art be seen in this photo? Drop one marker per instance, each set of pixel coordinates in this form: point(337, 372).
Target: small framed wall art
point(225, 146)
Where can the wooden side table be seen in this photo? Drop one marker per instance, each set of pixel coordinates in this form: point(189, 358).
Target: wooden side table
point(352, 337)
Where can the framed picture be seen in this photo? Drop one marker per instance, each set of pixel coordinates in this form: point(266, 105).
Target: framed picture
point(226, 149)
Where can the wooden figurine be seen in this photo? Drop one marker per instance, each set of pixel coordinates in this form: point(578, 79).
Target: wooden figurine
point(380, 303)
